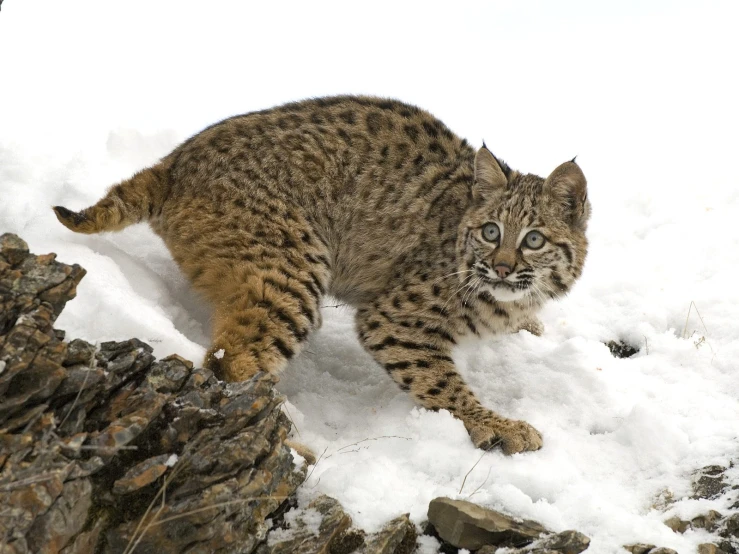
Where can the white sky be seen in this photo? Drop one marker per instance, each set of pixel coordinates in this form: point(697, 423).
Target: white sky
point(638, 87)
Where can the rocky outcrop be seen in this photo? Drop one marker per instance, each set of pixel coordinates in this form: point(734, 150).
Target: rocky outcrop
point(323, 527)
point(466, 525)
point(105, 449)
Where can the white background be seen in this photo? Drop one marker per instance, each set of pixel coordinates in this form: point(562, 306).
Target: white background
point(645, 93)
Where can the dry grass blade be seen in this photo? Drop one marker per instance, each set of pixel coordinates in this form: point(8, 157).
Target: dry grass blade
point(490, 469)
point(134, 540)
point(213, 506)
point(371, 439)
point(92, 365)
point(314, 466)
point(496, 443)
point(687, 318)
point(703, 323)
point(470, 471)
point(30, 481)
point(290, 417)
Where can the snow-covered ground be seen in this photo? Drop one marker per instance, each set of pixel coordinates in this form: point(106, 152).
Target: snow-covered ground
point(645, 93)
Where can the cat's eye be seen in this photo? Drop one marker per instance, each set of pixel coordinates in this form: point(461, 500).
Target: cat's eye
point(490, 232)
point(534, 240)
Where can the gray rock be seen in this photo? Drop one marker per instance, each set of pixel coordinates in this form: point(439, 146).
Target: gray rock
point(142, 474)
point(396, 537)
point(730, 527)
point(663, 550)
point(467, 525)
point(64, 518)
point(708, 548)
point(640, 548)
point(708, 521)
point(75, 419)
point(79, 352)
point(676, 524)
point(309, 536)
point(566, 542)
point(85, 542)
point(709, 482)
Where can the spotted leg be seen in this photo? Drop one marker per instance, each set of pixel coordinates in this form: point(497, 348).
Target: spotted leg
point(415, 351)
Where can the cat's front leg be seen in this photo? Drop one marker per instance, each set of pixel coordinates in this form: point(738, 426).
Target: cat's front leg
point(415, 350)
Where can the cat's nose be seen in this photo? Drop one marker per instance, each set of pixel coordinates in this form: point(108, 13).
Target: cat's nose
point(503, 270)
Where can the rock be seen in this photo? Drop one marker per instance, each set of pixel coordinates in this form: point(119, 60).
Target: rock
point(527, 550)
point(663, 550)
point(142, 474)
point(566, 542)
point(314, 530)
point(86, 541)
point(730, 527)
point(620, 349)
point(467, 525)
point(63, 520)
point(105, 447)
point(729, 546)
point(13, 249)
point(676, 524)
point(79, 352)
point(708, 548)
point(350, 540)
point(708, 482)
point(640, 548)
point(397, 537)
point(708, 521)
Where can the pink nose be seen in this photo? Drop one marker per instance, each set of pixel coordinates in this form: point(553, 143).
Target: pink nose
point(503, 270)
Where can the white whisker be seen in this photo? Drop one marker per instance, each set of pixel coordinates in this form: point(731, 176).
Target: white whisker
point(452, 274)
point(462, 286)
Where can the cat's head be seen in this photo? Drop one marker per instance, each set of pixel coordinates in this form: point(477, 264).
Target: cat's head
point(523, 238)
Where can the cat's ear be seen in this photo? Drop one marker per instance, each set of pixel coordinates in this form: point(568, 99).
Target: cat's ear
point(567, 187)
point(489, 175)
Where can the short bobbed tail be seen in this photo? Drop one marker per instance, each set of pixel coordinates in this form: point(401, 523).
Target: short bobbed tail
point(132, 201)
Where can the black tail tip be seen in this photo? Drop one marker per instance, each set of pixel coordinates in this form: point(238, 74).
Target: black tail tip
point(66, 215)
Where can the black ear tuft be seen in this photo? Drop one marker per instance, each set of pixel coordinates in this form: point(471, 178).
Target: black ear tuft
point(485, 146)
point(573, 160)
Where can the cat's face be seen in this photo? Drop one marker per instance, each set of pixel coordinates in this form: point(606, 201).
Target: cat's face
point(523, 239)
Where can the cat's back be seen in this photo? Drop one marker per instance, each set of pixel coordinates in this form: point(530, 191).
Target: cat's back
point(311, 142)
point(375, 179)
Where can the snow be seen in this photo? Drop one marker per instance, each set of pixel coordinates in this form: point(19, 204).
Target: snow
point(642, 92)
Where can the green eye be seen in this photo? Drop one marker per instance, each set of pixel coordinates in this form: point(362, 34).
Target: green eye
point(490, 232)
point(534, 240)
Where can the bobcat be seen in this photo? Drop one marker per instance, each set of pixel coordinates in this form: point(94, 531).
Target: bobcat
point(377, 203)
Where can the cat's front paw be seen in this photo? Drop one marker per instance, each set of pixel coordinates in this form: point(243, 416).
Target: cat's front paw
point(533, 325)
point(513, 436)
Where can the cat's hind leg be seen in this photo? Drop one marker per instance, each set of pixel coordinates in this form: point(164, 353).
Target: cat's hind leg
point(260, 326)
point(266, 301)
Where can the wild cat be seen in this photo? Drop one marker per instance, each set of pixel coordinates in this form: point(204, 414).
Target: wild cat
point(377, 203)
